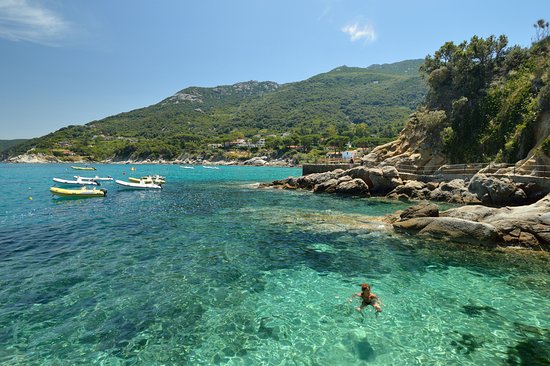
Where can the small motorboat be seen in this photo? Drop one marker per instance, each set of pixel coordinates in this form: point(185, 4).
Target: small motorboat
point(139, 185)
point(83, 167)
point(210, 167)
point(187, 167)
point(157, 179)
point(96, 178)
point(83, 192)
point(78, 182)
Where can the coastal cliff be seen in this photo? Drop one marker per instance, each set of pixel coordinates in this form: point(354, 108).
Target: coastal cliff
point(486, 102)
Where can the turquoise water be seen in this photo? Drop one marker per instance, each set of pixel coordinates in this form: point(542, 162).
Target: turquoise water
point(213, 271)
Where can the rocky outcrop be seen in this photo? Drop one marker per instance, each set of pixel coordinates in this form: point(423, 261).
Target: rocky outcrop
point(356, 181)
point(386, 182)
point(33, 159)
point(495, 191)
point(418, 145)
point(455, 191)
point(257, 161)
point(524, 226)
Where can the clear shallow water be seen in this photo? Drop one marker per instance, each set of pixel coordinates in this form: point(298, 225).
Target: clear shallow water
point(213, 271)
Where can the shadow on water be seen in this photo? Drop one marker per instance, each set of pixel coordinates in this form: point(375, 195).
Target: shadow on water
point(365, 351)
point(533, 349)
point(467, 343)
point(530, 352)
point(478, 310)
point(296, 248)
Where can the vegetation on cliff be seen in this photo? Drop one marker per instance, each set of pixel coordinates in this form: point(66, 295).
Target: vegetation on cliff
point(495, 98)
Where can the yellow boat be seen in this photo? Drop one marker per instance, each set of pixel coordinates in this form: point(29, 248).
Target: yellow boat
point(83, 167)
point(83, 192)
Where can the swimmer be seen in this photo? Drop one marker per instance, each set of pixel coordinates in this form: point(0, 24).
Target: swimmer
point(368, 299)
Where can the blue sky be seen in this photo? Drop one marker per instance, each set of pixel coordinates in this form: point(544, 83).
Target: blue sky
point(74, 61)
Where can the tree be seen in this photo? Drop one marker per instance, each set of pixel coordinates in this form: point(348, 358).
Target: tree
point(308, 141)
point(361, 130)
point(338, 140)
point(542, 29)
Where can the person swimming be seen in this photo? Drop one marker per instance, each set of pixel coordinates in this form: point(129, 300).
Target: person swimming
point(368, 298)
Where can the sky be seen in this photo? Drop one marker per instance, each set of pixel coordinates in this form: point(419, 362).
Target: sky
point(69, 62)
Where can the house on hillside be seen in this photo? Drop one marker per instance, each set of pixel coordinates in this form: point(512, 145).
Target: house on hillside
point(348, 155)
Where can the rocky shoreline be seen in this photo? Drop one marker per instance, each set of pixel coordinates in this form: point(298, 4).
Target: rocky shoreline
point(255, 161)
point(496, 211)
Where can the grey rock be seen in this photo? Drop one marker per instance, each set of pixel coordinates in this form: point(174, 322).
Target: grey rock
point(460, 230)
point(328, 186)
point(355, 187)
point(496, 191)
point(422, 210)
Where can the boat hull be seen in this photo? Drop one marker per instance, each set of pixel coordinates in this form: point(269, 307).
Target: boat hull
point(156, 179)
point(63, 192)
point(77, 182)
point(83, 167)
point(138, 185)
point(93, 178)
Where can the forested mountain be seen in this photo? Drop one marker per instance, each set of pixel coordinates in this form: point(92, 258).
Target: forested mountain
point(6, 144)
point(347, 104)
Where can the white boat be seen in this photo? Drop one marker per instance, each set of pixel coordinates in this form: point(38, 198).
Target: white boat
point(187, 167)
point(78, 182)
point(210, 167)
point(157, 179)
point(94, 178)
point(140, 185)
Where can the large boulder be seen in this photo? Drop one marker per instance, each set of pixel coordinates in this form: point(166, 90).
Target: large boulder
point(460, 230)
point(380, 180)
point(422, 210)
point(311, 180)
point(412, 189)
point(525, 226)
point(356, 187)
point(473, 212)
point(454, 191)
point(328, 186)
point(496, 191)
point(457, 230)
point(384, 180)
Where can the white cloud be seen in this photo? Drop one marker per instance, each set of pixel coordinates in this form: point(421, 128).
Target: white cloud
point(21, 20)
point(357, 31)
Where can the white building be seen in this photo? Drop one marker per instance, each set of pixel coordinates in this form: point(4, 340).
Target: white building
point(347, 155)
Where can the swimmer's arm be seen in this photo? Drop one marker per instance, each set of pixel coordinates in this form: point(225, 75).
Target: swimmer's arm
point(357, 294)
point(377, 299)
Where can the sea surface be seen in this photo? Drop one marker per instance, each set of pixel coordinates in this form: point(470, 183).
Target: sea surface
point(214, 271)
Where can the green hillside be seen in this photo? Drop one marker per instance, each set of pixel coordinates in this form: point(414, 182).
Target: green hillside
point(495, 98)
point(6, 144)
point(363, 106)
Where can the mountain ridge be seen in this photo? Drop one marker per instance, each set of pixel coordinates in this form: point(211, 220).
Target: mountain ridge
point(331, 103)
